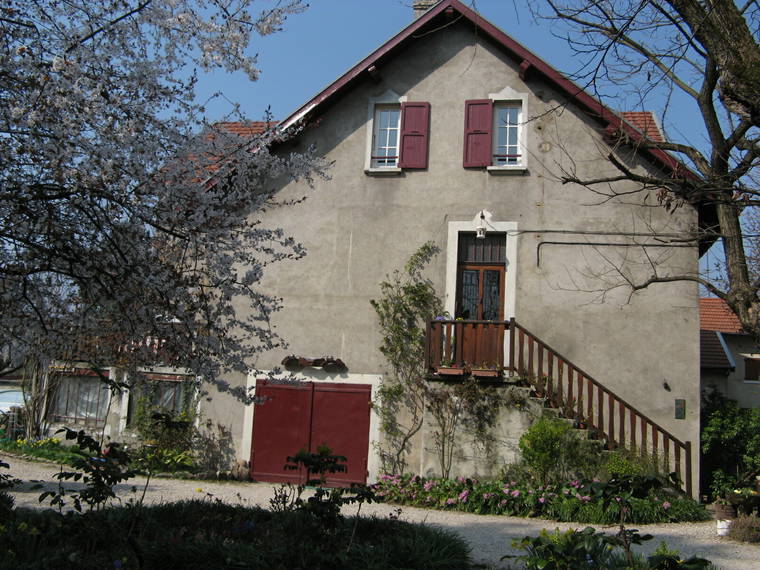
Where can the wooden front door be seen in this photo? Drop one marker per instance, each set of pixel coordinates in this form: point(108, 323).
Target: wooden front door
point(291, 417)
point(481, 292)
point(480, 297)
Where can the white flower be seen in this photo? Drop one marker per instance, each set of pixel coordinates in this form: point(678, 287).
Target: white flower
point(59, 63)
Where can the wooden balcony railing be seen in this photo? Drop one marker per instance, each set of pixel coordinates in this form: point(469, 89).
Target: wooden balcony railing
point(460, 348)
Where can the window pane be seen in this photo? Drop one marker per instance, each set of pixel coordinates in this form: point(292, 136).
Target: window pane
point(513, 113)
point(512, 137)
point(491, 297)
point(470, 286)
point(383, 116)
point(392, 138)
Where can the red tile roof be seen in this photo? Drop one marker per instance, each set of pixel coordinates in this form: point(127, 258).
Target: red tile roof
point(645, 122)
point(248, 128)
point(711, 351)
point(714, 315)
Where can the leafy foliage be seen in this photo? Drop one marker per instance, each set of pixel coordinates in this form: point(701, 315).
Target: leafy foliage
point(567, 501)
point(49, 448)
point(407, 301)
point(554, 452)
point(594, 550)
point(730, 445)
point(98, 467)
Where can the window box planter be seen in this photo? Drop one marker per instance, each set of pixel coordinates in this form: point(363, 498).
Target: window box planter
point(486, 373)
point(451, 371)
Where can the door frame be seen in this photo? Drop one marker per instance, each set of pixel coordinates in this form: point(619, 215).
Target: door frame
point(509, 229)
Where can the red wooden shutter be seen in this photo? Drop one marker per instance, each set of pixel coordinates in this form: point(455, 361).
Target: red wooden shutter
point(415, 126)
point(478, 118)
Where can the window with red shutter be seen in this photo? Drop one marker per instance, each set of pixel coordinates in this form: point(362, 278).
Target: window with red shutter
point(478, 121)
point(400, 137)
point(494, 134)
point(415, 126)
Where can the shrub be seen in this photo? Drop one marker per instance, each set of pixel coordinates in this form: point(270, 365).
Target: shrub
point(594, 550)
point(554, 452)
point(745, 529)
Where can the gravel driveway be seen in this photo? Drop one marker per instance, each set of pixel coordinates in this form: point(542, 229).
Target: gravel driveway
point(489, 536)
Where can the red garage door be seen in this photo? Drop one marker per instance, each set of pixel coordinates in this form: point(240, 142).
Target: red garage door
point(293, 417)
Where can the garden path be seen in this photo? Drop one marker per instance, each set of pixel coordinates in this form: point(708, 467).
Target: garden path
point(489, 536)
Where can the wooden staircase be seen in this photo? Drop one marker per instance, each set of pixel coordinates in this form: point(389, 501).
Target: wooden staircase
point(461, 348)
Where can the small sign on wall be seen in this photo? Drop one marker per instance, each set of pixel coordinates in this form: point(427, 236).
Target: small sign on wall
point(680, 409)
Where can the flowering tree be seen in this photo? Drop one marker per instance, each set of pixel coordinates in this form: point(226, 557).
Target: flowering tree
point(128, 229)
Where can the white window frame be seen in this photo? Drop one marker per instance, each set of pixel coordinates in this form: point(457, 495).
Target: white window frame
point(387, 100)
point(509, 98)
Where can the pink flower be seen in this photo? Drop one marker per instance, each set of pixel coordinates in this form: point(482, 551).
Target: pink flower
point(461, 479)
point(487, 496)
point(428, 485)
point(515, 493)
point(666, 505)
point(502, 503)
point(450, 502)
point(463, 496)
point(541, 500)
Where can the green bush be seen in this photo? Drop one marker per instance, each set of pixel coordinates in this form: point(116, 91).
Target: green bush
point(745, 529)
point(594, 550)
point(554, 451)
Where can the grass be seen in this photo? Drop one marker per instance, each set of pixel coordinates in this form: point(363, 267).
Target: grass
point(210, 534)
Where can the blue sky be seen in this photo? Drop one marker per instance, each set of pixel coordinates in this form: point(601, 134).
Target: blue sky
point(319, 45)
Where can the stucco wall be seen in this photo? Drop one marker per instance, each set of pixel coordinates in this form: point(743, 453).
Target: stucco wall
point(734, 385)
point(359, 228)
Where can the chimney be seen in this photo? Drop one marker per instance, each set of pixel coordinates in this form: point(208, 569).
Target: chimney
point(422, 6)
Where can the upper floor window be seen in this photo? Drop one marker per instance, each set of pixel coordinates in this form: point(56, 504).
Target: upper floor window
point(506, 135)
point(398, 135)
point(385, 138)
point(494, 132)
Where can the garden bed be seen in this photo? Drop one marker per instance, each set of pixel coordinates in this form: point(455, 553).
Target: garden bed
point(566, 503)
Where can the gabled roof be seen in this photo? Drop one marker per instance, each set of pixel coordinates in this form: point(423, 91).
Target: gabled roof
point(714, 315)
point(645, 122)
point(713, 352)
point(448, 10)
point(529, 63)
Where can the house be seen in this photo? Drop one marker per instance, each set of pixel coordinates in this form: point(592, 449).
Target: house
point(729, 358)
point(454, 133)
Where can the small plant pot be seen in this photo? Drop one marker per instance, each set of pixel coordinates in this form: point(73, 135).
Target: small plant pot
point(723, 526)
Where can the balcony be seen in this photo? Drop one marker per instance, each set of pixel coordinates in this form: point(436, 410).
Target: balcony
point(463, 348)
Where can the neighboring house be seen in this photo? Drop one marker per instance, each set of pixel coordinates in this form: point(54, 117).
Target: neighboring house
point(453, 132)
point(729, 358)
